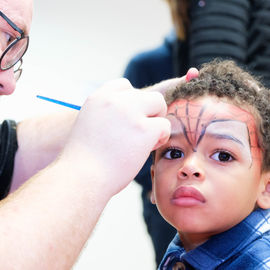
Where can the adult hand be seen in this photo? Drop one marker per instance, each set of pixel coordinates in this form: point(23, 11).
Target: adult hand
point(163, 86)
point(115, 132)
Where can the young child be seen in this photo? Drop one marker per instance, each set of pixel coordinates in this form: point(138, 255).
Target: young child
point(211, 180)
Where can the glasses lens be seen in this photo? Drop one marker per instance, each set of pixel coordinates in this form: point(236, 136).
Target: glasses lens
point(17, 74)
point(14, 53)
point(18, 70)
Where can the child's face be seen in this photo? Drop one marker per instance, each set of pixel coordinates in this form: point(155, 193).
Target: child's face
point(206, 178)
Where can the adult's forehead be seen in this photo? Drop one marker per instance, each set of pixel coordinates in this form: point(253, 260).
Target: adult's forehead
point(19, 11)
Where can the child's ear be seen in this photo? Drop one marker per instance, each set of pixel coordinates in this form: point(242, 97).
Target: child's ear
point(152, 195)
point(263, 200)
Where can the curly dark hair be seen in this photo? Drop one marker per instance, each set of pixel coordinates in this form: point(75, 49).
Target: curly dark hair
point(224, 79)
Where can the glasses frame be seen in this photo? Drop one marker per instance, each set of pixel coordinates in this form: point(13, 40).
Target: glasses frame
point(20, 31)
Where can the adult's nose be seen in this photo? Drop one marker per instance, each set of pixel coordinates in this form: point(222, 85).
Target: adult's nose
point(7, 82)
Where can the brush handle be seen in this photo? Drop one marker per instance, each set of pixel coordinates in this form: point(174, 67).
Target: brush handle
point(72, 106)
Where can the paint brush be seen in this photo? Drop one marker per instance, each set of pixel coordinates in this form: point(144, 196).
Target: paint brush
point(72, 106)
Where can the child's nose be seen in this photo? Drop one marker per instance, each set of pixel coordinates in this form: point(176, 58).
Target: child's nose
point(191, 169)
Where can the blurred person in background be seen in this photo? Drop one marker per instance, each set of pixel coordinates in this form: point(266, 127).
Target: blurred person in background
point(203, 30)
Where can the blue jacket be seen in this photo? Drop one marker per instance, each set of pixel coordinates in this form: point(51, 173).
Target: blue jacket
point(152, 66)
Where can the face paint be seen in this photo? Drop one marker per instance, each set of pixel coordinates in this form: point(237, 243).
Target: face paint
point(195, 118)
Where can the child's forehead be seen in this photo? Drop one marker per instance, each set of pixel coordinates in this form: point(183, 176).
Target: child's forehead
point(195, 117)
point(209, 108)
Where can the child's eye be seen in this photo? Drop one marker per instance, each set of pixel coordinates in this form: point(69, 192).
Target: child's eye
point(173, 153)
point(222, 156)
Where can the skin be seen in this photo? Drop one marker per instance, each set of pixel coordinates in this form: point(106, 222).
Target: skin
point(211, 160)
point(20, 12)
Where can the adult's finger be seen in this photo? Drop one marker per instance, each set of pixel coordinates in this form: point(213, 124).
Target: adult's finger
point(191, 74)
point(151, 103)
point(161, 130)
point(170, 84)
point(163, 86)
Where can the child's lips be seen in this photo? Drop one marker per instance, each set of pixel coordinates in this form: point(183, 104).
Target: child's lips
point(187, 196)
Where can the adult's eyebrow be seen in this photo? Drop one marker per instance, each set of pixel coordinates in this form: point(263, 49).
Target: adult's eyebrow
point(224, 137)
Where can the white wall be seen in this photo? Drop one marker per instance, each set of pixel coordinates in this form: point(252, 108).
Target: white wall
point(74, 47)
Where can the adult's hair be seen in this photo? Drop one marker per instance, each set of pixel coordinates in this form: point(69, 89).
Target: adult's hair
point(224, 79)
point(180, 16)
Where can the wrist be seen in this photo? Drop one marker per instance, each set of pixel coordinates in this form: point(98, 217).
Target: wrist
point(87, 175)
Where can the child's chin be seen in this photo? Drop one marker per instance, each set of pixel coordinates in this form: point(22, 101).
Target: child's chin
point(192, 226)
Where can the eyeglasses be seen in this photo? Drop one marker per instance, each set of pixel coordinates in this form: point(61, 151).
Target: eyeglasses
point(16, 48)
point(18, 69)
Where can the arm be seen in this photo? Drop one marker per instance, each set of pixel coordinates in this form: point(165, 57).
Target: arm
point(40, 140)
point(46, 222)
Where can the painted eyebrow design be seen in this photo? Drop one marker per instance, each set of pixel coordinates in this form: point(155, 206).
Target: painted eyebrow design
point(212, 135)
point(223, 136)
